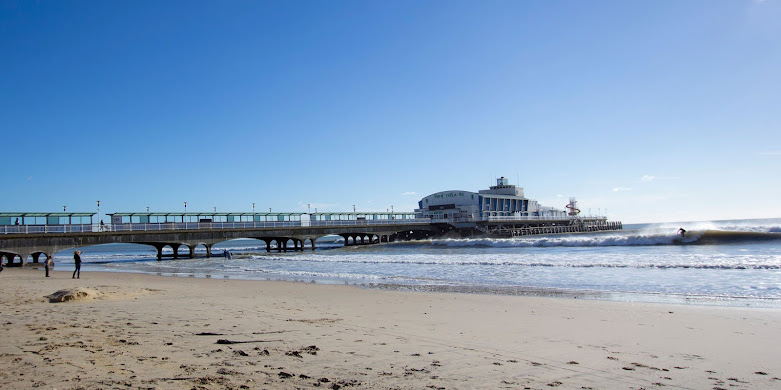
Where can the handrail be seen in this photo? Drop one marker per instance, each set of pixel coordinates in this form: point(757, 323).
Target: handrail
point(37, 229)
point(537, 218)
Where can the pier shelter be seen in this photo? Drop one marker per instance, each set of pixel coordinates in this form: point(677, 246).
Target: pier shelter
point(250, 219)
point(199, 217)
point(40, 222)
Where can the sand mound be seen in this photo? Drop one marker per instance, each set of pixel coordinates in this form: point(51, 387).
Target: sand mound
point(72, 294)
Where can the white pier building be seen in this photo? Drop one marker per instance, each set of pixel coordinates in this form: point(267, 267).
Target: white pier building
point(501, 200)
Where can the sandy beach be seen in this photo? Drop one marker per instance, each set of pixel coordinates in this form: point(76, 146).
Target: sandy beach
point(134, 331)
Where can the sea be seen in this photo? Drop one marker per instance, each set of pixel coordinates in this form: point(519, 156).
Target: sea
point(727, 263)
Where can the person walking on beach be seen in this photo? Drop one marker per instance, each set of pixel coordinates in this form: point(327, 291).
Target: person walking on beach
point(77, 261)
point(48, 264)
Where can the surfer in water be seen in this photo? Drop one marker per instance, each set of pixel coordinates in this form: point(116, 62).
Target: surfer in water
point(682, 232)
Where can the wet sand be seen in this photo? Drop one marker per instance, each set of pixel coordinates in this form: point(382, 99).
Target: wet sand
point(129, 331)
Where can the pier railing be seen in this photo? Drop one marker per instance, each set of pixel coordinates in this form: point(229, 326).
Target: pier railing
point(535, 218)
point(38, 229)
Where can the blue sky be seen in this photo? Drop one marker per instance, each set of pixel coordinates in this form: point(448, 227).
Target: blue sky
point(654, 111)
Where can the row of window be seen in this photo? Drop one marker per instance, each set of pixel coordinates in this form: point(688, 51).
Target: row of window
point(45, 220)
point(189, 218)
point(248, 218)
point(500, 204)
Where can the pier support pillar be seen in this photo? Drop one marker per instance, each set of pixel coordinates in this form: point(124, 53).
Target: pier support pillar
point(209, 250)
point(192, 250)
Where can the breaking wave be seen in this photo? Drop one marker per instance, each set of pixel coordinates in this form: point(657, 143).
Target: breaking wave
point(624, 238)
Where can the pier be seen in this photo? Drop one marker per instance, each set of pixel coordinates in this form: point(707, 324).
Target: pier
point(44, 234)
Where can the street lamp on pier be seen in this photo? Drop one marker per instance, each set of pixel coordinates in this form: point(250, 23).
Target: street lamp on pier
point(253, 213)
point(308, 210)
point(184, 218)
point(99, 219)
point(63, 208)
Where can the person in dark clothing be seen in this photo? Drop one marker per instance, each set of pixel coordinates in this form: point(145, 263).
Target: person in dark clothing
point(48, 264)
point(682, 232)
point(77, 261)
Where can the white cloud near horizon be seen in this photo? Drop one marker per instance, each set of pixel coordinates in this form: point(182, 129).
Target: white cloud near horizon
point(647, 178)
point(409, 193)
point(621, 189)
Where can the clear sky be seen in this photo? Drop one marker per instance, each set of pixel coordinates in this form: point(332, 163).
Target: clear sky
point(650, 110)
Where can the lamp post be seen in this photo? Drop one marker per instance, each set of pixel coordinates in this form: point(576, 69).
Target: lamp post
point(63, 208)
point(184, 218)
point(353, 208)
point(253, 214)
point(99, 219)
point(308, 210)
point(147, 209)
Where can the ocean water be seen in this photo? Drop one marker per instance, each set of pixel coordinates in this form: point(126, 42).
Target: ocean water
point(720, 262)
